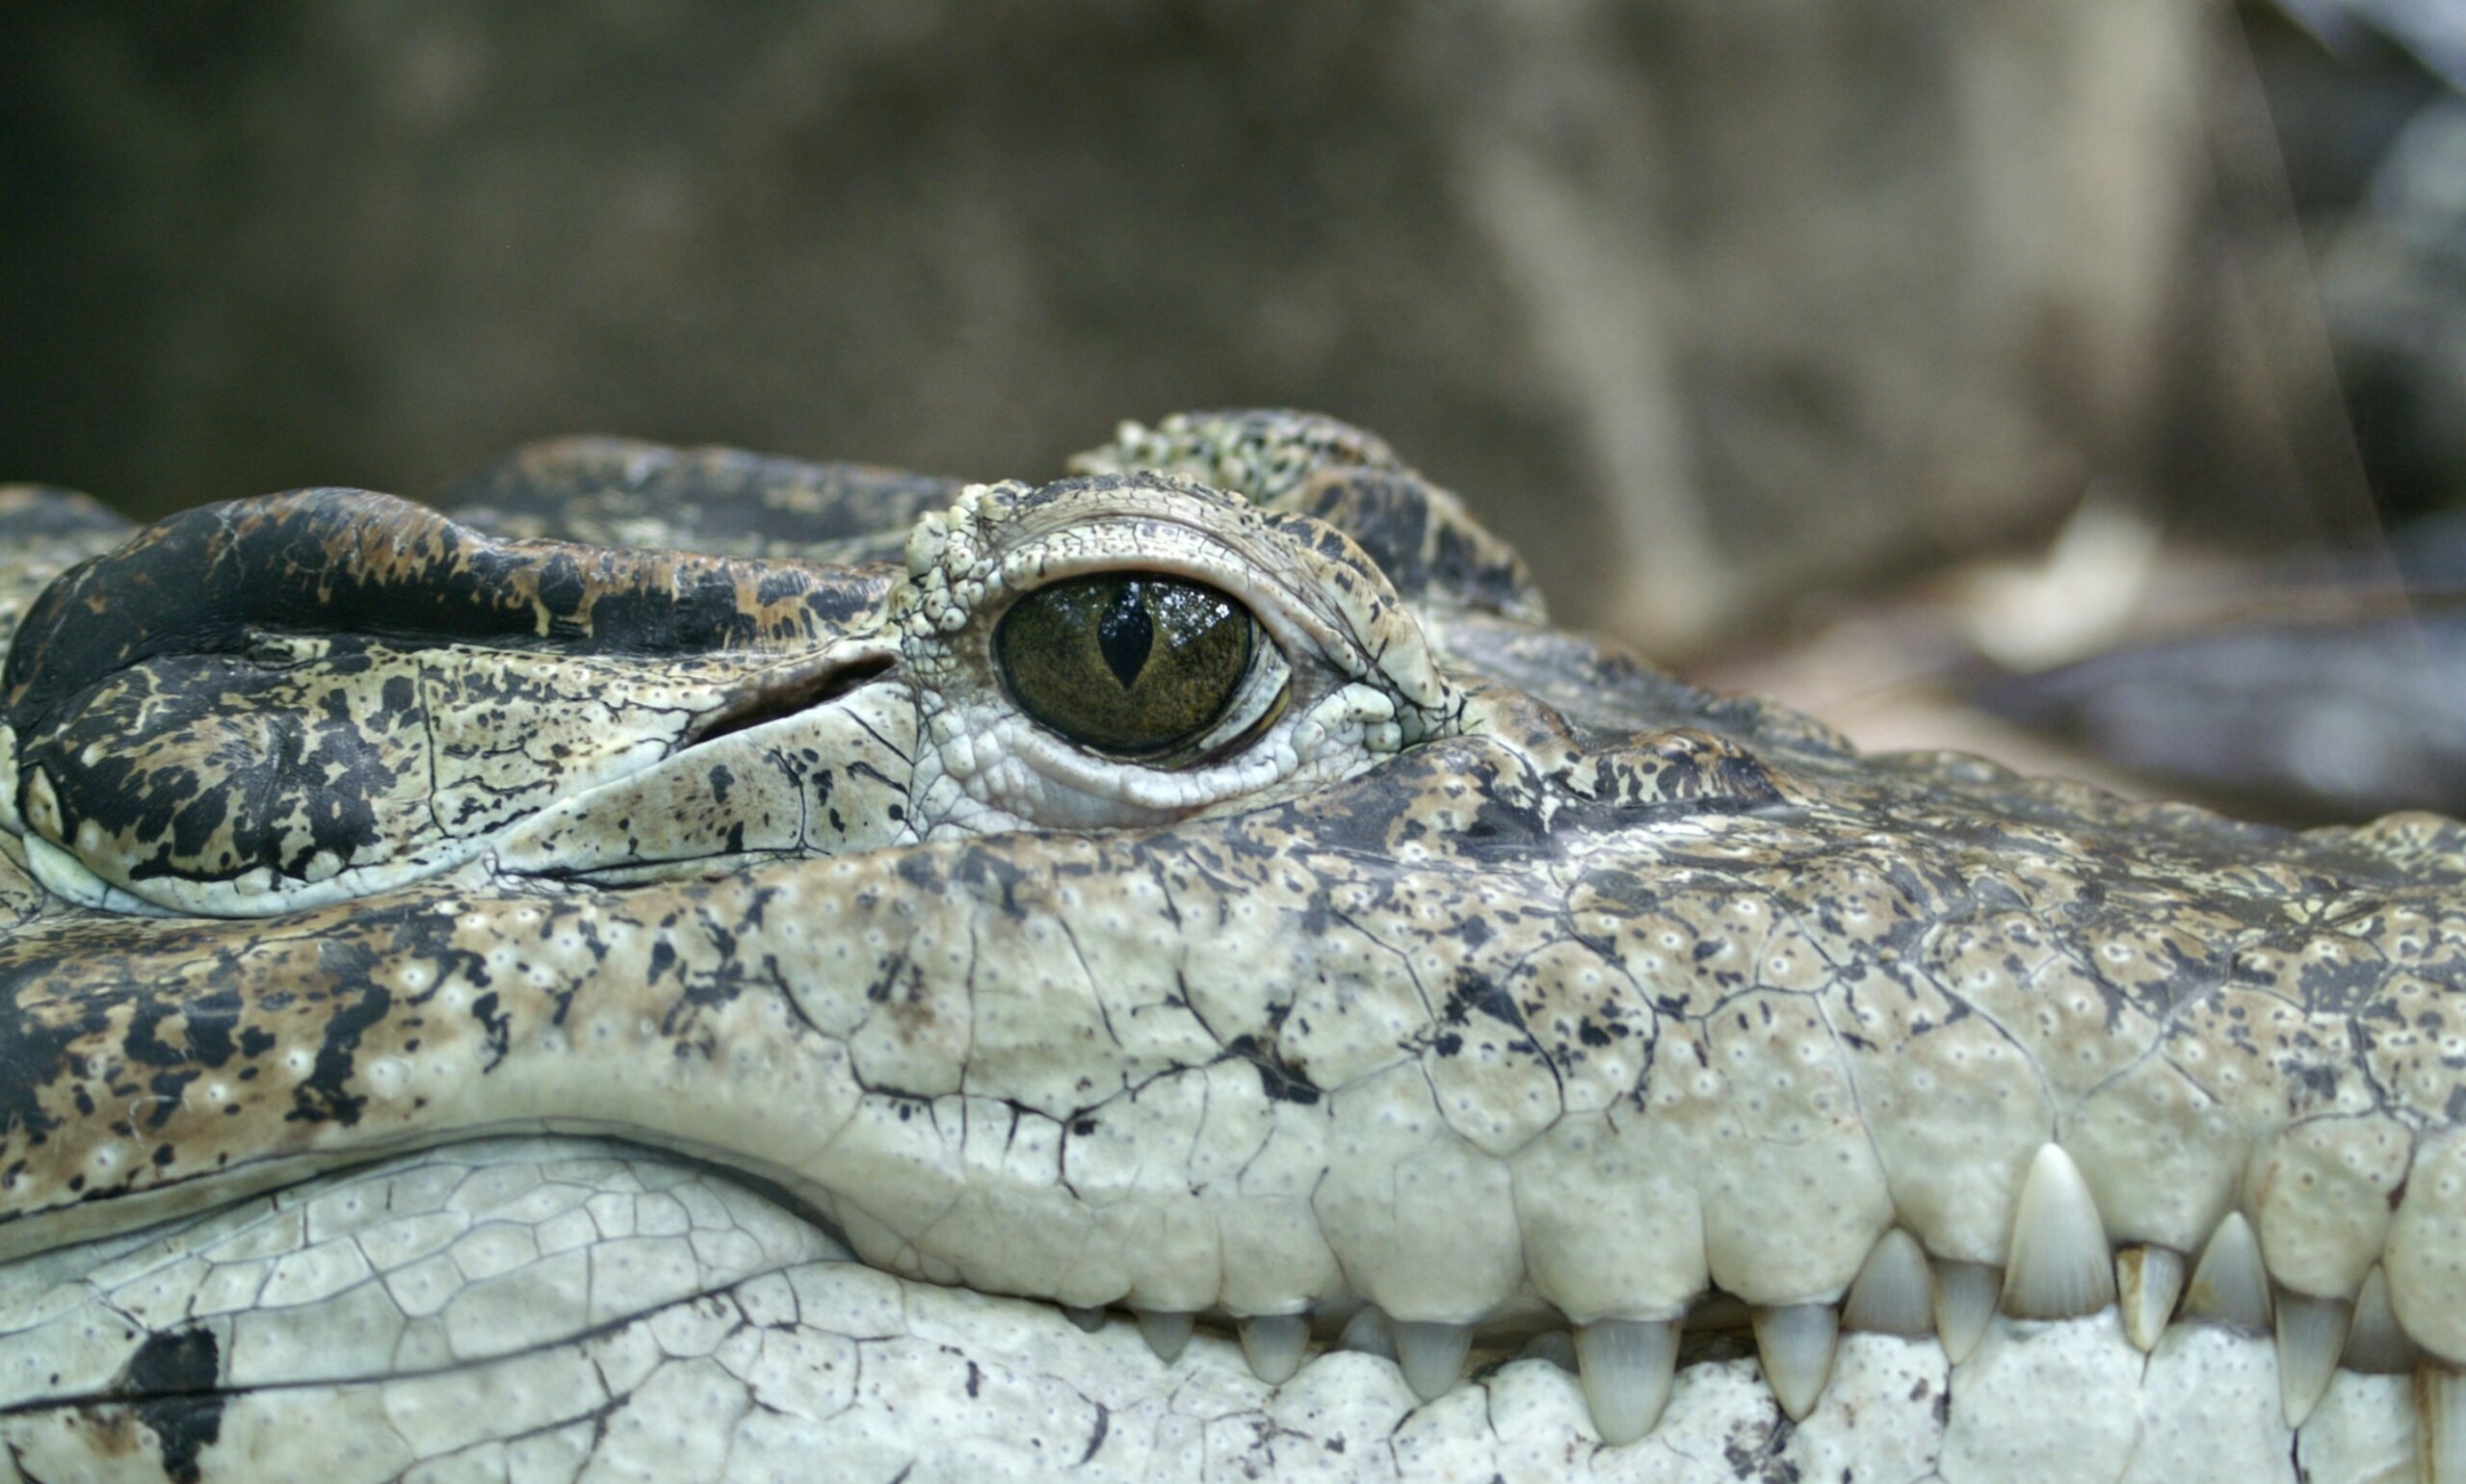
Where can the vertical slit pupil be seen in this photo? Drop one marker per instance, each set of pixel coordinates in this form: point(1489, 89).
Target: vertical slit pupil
point(1126, 634)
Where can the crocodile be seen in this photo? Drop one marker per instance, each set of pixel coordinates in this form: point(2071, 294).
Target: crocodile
point(703, 966)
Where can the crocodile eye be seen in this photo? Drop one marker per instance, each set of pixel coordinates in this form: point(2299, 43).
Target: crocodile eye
point(1132, 663)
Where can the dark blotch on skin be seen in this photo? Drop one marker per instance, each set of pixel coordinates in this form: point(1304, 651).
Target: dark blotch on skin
point(350, 562)
point(1278, 1078)
point(30, 1046)
point(1475, 991)
point(356, 1002)
point(171, 1383)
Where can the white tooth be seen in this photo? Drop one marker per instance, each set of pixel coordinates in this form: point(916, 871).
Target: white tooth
point(2230, 1287)
point(1627, 1366)
point(1796, 1343)
point(1368, 1331)
point(2148, 1280)
point(2375, 1346)
point(2059, 1266)
point(1090, 1319)
point(1965, 1294)
point(2440, 1422)
point(1166, 1330)
point(1276, 1344)
point(1432, 1355)
point(2310, 1334)
point(1892, 1294)
point(1554, 1346)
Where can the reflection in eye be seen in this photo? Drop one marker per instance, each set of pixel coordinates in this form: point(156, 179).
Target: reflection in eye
point(1126, 663)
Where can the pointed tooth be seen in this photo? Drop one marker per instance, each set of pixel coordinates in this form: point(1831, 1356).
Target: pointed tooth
point(2059, 1266)
point(1627, 1366)
point(1166, 1330)
point(1965, 1294)
point(1554, 1346)
point(1091, 1318)
point(1369, 1332)
point(2148, 1280)
point(1716, 1312)
point(1796, 1345)
point(2310, 1334)
point(2440, 1422)
point(1892, 1293)
point(1432, 1355)
point(2230, 1287)
point(1276, 1344)
point(2375, 1346)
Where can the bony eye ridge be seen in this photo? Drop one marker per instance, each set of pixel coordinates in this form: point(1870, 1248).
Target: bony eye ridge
point(1127, 663)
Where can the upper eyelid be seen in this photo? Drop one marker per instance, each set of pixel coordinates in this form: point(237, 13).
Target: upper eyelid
point(1305, 639)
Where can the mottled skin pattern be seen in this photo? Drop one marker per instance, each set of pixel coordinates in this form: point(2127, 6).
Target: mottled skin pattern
point(1490, 978)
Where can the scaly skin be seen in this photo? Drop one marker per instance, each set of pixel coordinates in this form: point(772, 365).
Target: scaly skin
point(1491, 979)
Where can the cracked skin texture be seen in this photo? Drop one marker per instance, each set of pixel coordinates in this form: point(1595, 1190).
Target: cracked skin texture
point(1483, 975)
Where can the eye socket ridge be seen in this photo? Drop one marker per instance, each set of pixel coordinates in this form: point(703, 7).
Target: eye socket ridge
point(1147, 667)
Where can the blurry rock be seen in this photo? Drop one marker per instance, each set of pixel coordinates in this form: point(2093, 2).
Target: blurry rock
point(2301, 720)
point(1700, 303)
point(2316, 688)
point(2301, 690)
point(2433, 31)
point(2393, 283)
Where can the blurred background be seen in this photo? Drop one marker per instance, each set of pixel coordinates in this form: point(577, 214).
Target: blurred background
point(2009, 373)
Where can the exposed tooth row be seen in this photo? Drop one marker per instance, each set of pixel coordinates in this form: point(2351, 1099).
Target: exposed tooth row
point(1795, 1344)
point(2230, 1288)
point(1965, 1294)
point(1627, 1366)
point(1368, 1331)
point(1892, 1294)
point(1167, 1332)
point(2375, 1347)
point(2148, 1283)
point(2311, 1335)
point(1275, 1345)
point(2060, 1269)
point(1432, 1355)
point(2440, 1406)
point(2058, 1264)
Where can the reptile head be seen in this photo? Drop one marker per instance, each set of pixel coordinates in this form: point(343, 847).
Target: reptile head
point(1205, 886)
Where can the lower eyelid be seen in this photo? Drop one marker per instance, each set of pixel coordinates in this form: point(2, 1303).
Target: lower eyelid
point(1267, 718)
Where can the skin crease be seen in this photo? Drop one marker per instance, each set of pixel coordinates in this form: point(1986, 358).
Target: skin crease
point(766, 1031)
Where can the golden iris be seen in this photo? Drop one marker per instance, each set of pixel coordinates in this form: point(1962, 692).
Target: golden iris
point(1125, 663)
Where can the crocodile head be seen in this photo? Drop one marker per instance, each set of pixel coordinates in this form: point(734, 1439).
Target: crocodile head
point(697, 992)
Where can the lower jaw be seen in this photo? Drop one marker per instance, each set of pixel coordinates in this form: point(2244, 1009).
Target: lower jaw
point(760, 1351)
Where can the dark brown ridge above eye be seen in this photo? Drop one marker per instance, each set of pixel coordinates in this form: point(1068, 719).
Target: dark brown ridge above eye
point(1127, 663)
point(337, 562)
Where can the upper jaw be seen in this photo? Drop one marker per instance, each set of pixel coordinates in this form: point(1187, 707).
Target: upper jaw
point(1516, 1020)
